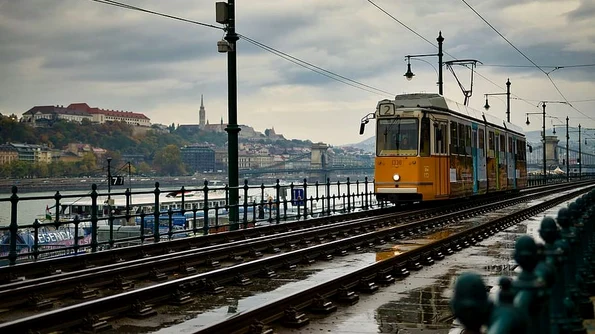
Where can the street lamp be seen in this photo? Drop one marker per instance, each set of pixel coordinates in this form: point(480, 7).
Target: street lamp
point(225, 14)
point(409, 74)
point(487, 105)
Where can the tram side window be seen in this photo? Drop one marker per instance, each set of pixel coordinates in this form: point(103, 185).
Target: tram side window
point(509, 144)
point(482, 140)
point(454, 138)
point(502, 143)
point(474, 139)
point(490, 143)
point(461, 139)
point(425, 137)
point(440, 139)
point(468, 140)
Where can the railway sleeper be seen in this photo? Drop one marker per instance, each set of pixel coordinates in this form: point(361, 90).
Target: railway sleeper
point(242, 280)
point(437, 255)
point(267, 273)
point(413, 264)
point(272, 249)
point(367, 285)
point(38, 302)
point(307, 260)
point(253, 253)
point(341, 252)
point(258, 327)
point(179, 298)
point(321, 305)
point(324, 255)
point(157, 276)
point(288, 265)
point(385, 278)
point(212, 263)
point(94, 324)
point(347, 296)
point(236, 258)
point(184, 268)
point(427, 259)
point(119, 283)
point(212, 288)
point(141, 310)
point(294, 319)
point(81, 291)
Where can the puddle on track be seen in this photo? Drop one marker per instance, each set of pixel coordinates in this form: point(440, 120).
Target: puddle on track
point(416, 304)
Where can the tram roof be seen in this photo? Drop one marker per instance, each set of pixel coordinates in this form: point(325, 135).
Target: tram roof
point(424, 100)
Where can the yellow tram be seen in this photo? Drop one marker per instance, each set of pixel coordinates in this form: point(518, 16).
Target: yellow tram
point(431, 148)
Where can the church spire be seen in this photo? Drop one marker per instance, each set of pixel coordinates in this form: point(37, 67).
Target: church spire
point(202, 114)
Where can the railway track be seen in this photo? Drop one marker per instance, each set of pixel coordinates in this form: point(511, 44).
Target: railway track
point(53, 266)
point(318, 243)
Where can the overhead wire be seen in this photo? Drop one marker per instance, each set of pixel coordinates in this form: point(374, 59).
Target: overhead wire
point(445, 52)
point(292, 59)
point(547, 74)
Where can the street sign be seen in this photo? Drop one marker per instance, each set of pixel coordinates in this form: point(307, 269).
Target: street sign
point(297, 197)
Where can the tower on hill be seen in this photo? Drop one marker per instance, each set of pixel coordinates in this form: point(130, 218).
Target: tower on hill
point(202, 114)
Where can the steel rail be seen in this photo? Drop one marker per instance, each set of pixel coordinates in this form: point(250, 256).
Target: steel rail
point(47, 267)
point(210, 281)
point(296, 303)
point(85, 282)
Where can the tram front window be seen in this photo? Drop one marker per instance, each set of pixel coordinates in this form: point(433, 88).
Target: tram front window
point(398, 136)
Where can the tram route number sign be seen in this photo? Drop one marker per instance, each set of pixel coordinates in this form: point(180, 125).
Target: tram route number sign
point(297, 196)
point(117, 180)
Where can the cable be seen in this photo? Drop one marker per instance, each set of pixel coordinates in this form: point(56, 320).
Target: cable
point(265, 47)
point(126, 6)
point(313, 68)
point(531, 66)
point(529, 59)
point(445, 52)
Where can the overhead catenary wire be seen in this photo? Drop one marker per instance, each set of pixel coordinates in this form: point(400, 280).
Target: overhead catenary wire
point(445, 52)
point(295, 60)
point(547, 74)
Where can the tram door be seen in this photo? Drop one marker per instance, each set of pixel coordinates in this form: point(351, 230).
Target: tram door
point(440, 155)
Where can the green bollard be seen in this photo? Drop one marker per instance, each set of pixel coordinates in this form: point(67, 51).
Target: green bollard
point(532, 295)
point(584, 303)
point(551, 271)
point(506, 318)
point(470, 304)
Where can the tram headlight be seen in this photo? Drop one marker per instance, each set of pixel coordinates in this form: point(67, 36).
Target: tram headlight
point(396, 177)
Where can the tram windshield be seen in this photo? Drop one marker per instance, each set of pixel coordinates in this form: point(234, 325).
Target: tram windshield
point(397, 136)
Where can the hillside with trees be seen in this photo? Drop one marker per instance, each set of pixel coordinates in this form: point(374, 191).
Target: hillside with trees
point(159, 147)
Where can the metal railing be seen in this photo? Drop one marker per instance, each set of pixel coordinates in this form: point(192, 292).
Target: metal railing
point(102, 220)
point(551, 293)
point(99, 220)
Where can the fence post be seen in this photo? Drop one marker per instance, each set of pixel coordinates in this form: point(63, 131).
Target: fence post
point(14, 226)
point(470, 303)
point(94, 217)
point(531, 292)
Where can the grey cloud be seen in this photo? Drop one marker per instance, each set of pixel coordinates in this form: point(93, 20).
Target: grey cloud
point(585, 11)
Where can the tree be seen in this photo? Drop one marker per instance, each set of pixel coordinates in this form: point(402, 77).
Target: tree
point(168, 161)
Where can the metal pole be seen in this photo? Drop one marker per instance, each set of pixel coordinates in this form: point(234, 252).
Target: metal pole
point(508, 100)
point(109, 179)
point(580, 165)
point(567, 162)
point(543, 134)
point(440, 39)
point(232, 127)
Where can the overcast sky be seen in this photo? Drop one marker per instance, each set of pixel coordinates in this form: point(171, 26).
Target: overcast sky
point(55, 52)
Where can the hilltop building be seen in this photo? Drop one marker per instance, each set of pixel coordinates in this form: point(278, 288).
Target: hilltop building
point(40, 116)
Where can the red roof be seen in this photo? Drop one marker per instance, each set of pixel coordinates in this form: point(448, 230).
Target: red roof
point(114, 113)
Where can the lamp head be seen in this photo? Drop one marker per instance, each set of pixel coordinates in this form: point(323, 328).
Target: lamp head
point(487, 106)
point(554, 132)
point(528, 121)
point(409, 75)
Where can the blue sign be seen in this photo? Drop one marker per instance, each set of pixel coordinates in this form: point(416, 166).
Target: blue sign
point(297, 197)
